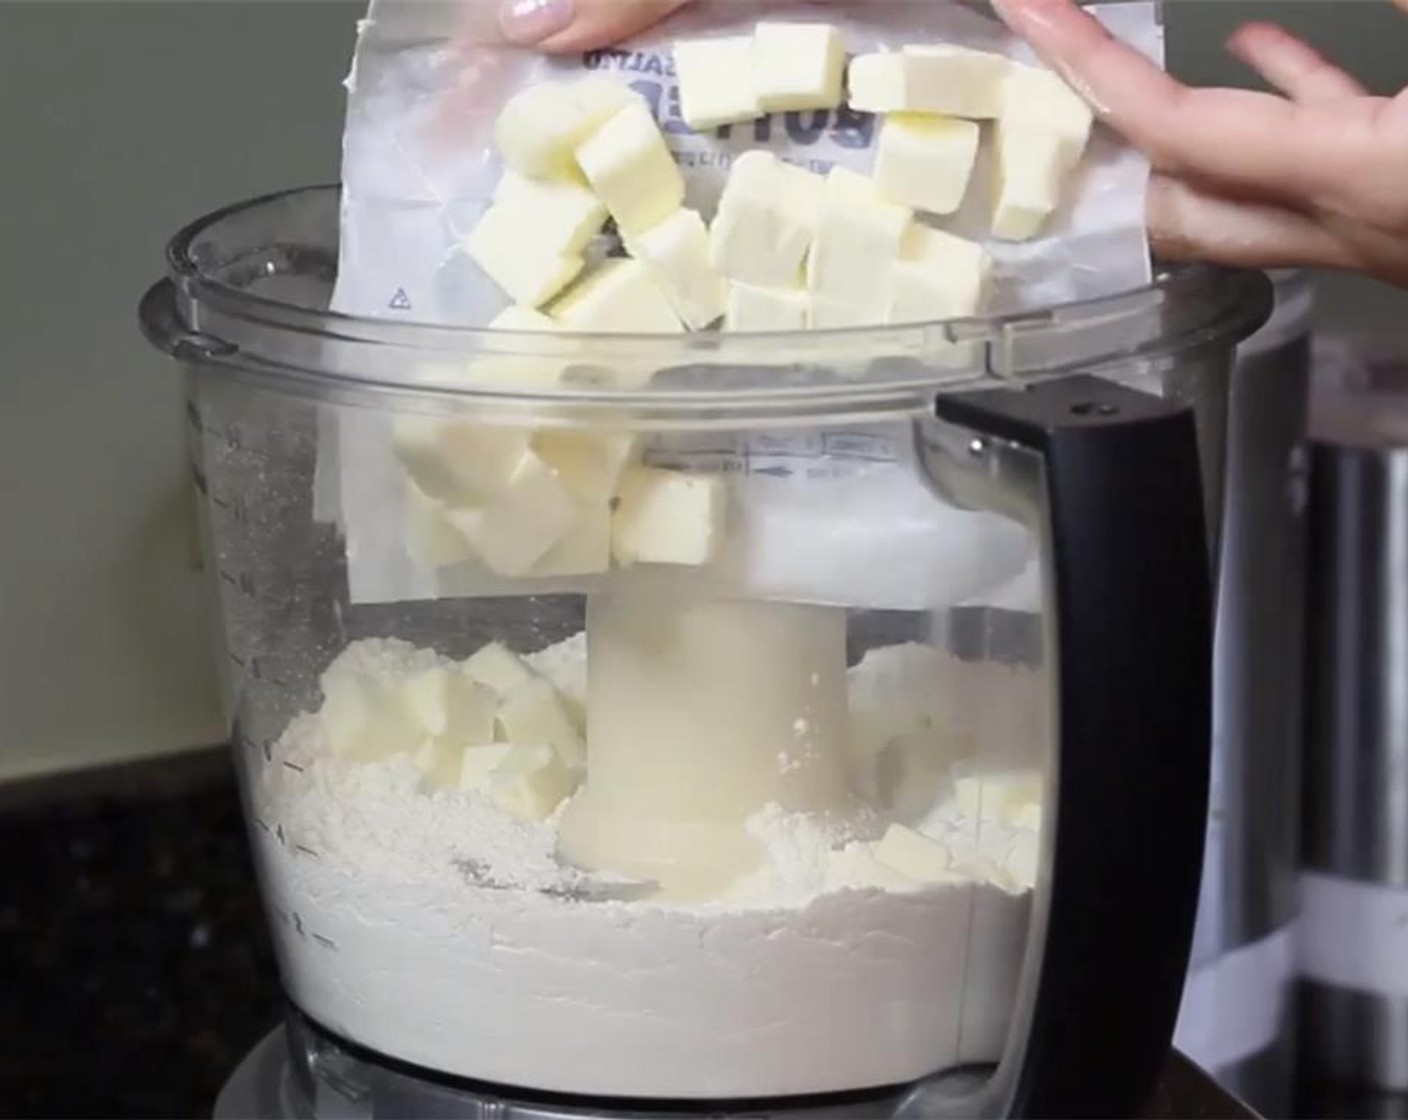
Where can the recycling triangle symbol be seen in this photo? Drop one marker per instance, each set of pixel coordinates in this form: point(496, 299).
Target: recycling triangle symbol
point(400, 301)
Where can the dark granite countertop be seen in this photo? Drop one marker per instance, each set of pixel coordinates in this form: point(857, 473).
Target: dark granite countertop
point(136, 971)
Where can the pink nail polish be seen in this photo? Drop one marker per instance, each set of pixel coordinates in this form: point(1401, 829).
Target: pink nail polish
point(527, 22)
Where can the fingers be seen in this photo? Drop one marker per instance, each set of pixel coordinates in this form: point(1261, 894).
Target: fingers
point(574, 25)
point(1187, 223)
point(1252, 143)
point(1290, 65)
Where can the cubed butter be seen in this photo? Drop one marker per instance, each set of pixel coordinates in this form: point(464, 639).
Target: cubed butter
point(938, 276)
point(915, 856)
point(857, 242)
point(514, 528)
point(477, 763)
point(714, 85)
point(450, 704)
point(590, 463)
point(620, 297)
point(584, 550)
point(827, 314)
point(924, 78)
point(531, 782)
point(1023, 861)
point(539, 129)
point(796, 65)
point(458, 461)
point(763, 228)
point(997, 796)
point(499, 667)
point(541, 362)
point(751, 308)
point(440, 761)
point(534, 715)
point(668, 517)
point(629, 166)
point(1031, 95)
point(1031, 166)
point(1039, 141)
point(523, 319)
point(562, 213)
point(924, 161)
point(430, 537)
point(504, 245)
point(677, 253)
point(876, 82)
point(363, 721)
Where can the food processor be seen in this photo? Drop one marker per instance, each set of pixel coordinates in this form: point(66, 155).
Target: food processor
point(869, 777)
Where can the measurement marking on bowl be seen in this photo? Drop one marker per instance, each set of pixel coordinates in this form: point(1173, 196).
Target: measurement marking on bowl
point(293, 766)
point(326, 942)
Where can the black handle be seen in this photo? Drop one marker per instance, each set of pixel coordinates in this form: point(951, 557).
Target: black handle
point(1131, 642)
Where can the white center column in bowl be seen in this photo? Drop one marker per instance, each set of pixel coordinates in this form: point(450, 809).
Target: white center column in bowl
point(701, 712)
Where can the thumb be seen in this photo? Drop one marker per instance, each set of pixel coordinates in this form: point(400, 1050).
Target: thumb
point(576, 25)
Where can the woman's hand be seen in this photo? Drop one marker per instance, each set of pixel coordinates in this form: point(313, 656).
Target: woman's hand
point(1318, 177)
point(577, 25)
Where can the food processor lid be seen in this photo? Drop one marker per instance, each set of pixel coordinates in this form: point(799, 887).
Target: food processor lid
point(249, 288)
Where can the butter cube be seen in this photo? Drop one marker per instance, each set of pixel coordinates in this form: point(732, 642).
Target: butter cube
point(584, 550)
point(562, 213)
point(938, 276)
point(1034, 96)
point(1040, 138)
point(363, 721)
point(531, 782)
point(1023, 861)
point(477, 763)
point(999, 797)
point(516, 318)
point(534, 715)
point(497, 666)
point(590, 463)
point(457, 461)
point(763, 227)
point(530, 514)
point(505, 247)
point(826, 314)
point(668, 517)
point(1031, 164)
point(677, 254)
point(713, 81)
point(877, 83)
point(751, 308)
point(857, 242)
point(628, 164)
point(440, 762)
point(797, 65)
point(955, 81)
point(915, 856)
point(620, 297)
point(543, 361)
point(450, 704)
point(539, 129)
point(430, 537)
point(921, 78)
point(924, 161)
point(1026, 814)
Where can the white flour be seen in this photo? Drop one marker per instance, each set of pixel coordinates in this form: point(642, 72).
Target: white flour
point(822, 971)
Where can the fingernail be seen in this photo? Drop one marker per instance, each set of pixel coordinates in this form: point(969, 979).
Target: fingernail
point(527, 22)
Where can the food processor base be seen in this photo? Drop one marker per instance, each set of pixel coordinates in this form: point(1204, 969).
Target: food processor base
point(300, 1071)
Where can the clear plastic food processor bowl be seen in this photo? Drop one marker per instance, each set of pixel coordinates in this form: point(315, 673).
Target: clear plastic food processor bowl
point(717, 748)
